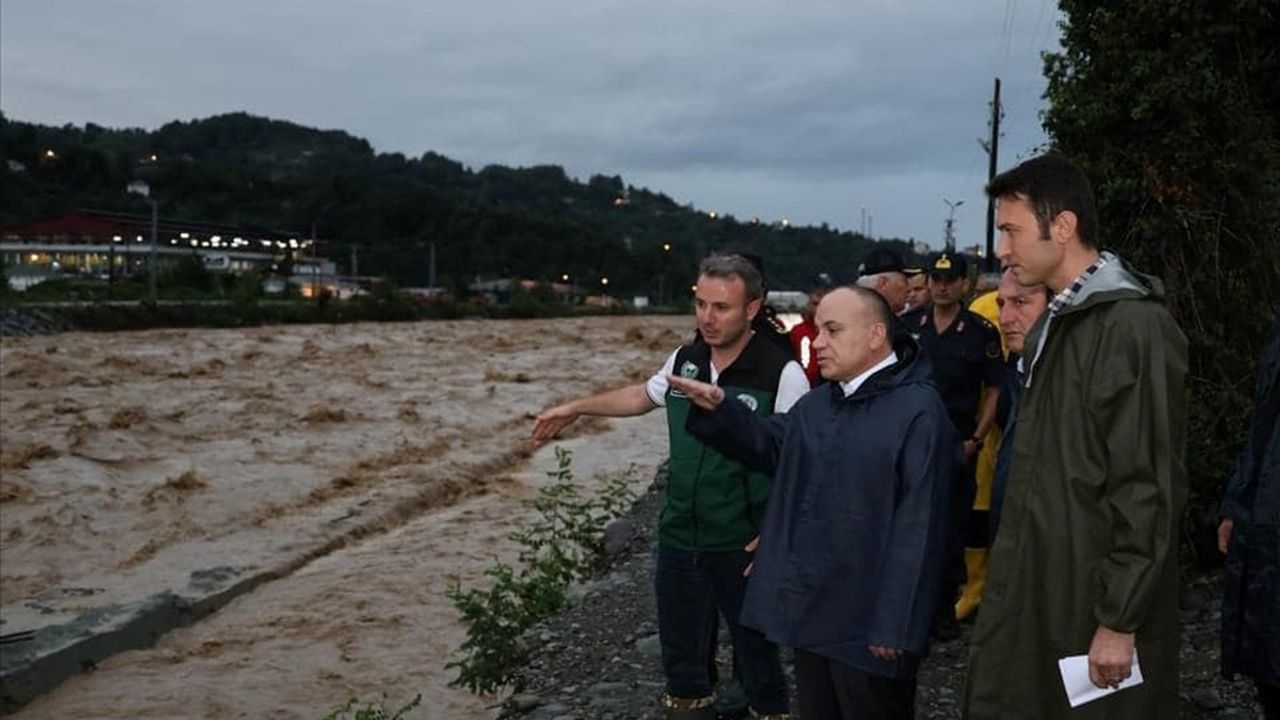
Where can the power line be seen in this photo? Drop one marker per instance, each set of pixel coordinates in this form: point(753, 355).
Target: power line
point(1006, 33)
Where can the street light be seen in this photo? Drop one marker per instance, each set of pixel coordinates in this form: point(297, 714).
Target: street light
point(662, 274)
point(949, 230)
point(143, 189)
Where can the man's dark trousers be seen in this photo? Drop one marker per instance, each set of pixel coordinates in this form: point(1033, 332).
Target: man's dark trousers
point(831, 690)
point(959, 533)
point(690, 587)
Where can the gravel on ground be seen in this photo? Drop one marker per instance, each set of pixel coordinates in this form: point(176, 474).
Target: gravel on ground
point(599, 660)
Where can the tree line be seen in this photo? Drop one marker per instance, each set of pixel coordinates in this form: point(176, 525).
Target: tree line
point(534, 222)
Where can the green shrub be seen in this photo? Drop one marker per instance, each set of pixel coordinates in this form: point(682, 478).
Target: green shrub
point(371, 710)
point(560, 546)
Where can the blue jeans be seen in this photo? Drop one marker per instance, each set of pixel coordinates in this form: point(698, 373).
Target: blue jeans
point(690, 588)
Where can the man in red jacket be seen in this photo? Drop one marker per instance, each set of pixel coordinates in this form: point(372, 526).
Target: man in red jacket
point(803, 335)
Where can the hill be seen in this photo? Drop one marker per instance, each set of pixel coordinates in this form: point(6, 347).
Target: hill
point(387, 209)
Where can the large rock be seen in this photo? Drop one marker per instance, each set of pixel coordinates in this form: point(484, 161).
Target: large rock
point(617, 535)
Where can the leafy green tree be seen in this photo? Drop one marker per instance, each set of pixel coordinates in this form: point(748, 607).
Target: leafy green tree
point(1172, 108)
point(189, 273)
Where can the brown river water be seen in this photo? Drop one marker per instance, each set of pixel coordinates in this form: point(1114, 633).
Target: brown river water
point(132, 458)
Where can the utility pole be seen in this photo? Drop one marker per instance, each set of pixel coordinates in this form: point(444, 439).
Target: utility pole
point(993, 150)
point(151, 261)
point(431, 274)
point(355, 260)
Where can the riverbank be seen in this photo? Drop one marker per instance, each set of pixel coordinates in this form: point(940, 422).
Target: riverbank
point(600, 660)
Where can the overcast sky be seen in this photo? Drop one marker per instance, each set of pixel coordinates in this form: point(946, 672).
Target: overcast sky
point(808, 111)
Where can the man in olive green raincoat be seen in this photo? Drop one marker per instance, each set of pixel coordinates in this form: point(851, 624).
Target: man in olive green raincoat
point(1086, 559)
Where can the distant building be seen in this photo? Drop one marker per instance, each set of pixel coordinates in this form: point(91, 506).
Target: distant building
point(101, 244)
point(499, 291)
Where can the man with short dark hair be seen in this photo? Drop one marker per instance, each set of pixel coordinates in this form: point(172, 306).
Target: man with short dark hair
point(850, 549)
point(1085, 563)
point(713, 503)
point(917, 289)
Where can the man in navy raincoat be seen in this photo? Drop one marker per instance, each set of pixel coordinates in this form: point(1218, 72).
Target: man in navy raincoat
point(1250, 537)
point(850, 548)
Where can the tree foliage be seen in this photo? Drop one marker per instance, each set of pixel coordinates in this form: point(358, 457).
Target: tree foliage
point(1172, 108)
point(534, 222)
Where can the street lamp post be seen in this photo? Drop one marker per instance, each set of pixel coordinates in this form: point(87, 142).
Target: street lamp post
point(151, 259)
point(662, 274)
point(949, 230)
point(141, 188)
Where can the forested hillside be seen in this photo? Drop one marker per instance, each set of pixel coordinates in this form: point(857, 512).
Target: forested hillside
point(534, 222)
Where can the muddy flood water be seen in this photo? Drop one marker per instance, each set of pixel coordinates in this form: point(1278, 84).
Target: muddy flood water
point(131, 458)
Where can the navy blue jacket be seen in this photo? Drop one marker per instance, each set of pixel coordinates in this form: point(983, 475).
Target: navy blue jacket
point(851, 545)
point(1007, 419)
point(1251, 578)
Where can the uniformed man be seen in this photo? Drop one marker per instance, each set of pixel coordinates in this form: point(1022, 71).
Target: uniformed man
point(968, 367)
point(917, 289)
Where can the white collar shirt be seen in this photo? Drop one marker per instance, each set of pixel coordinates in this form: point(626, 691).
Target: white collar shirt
point(851, 386)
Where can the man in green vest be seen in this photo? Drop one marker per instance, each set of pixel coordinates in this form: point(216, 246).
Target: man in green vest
point(713, 503)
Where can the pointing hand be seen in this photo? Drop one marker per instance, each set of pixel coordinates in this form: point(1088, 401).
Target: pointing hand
point(550, 422)
point(704, 395)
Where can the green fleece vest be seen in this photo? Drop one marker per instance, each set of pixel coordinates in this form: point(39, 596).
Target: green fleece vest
point(714, 503)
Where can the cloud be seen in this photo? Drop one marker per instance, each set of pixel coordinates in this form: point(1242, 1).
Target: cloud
point(747, 105)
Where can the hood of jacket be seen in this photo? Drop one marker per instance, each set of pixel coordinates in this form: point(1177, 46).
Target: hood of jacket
point(1113, 282)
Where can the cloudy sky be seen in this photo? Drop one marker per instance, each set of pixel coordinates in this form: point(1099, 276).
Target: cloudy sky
point(823, 111)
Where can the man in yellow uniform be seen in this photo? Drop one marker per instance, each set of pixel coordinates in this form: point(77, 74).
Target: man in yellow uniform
point(975, 558)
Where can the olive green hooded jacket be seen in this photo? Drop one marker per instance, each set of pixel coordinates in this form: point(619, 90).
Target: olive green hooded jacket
point(1089, 534)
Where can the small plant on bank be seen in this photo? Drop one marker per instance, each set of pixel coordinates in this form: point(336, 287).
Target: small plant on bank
point(371, 710)
point(560, 546)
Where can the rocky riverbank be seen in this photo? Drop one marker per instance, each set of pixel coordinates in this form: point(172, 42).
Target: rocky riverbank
point(599, 660)
point(16, 322)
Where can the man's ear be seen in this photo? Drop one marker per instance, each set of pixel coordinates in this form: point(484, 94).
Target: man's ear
point(753, 308)
point(879, 335)
point(1064, 226)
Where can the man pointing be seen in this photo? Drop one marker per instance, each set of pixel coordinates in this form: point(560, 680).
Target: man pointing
point(849, 556)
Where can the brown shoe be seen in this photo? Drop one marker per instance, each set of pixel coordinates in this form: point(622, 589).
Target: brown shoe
point(703, 708)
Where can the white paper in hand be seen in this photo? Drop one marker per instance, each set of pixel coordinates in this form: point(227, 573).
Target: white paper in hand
point(1080, 689)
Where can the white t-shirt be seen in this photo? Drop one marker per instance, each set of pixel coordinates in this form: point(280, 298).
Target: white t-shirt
point(792, 384)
